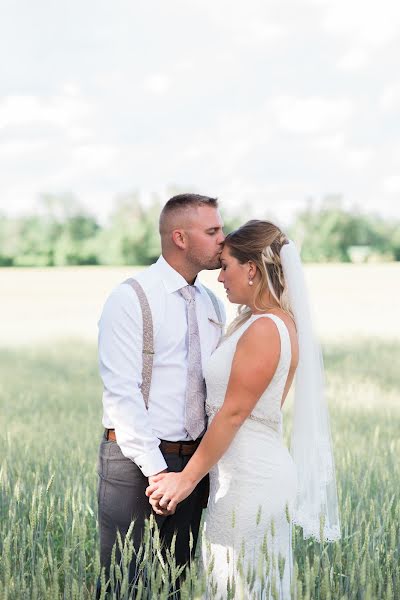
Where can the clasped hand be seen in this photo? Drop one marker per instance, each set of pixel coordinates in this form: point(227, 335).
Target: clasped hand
point(166, 490)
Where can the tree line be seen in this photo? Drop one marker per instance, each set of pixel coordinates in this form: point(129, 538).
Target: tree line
point(62, 233)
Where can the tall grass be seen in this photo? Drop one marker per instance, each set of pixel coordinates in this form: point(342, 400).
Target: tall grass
point(50, 430)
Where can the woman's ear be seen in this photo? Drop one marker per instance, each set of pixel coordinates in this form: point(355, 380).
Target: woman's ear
point(252, 269)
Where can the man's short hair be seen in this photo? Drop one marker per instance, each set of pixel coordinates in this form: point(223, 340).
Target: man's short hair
point(184, 201)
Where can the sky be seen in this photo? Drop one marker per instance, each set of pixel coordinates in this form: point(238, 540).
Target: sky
point(264, 104)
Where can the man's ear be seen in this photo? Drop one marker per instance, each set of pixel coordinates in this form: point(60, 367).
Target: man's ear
point(179, 238)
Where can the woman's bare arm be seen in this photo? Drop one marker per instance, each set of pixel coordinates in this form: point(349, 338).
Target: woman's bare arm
point(254, 364)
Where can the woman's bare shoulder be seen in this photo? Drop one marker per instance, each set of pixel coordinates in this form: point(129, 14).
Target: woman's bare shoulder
point(256, 335)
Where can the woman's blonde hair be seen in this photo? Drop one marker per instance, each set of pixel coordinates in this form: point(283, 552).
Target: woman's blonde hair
point(260, 242)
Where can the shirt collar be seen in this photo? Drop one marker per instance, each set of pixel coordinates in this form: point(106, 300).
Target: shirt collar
point(172, 280)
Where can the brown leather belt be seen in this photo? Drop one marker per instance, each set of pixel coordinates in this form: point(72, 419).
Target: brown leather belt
point(180, 448)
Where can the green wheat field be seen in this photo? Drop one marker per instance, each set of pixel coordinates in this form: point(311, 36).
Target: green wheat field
point(50, 413)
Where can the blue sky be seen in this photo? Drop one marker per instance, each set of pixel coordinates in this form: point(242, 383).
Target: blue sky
point(261, 103)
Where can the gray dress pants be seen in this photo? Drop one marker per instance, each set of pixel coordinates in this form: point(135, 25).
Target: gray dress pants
point(122, 499)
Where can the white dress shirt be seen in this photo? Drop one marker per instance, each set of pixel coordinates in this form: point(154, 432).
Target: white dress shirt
point(138, 431)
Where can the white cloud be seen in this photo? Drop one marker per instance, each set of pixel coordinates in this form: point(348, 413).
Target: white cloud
point(96, 156)
point(390, 97)
point(359, 158)
point(259, 33)
point(71, 88)
point(276, 201)
point(312, 114)
point(21, 149)
point(362, 27)
point(391, 184)
point(363, 22)
point(354, 59)
point(334, 141)
point(252, 24)
point(157, 83)
point(394, 153)
point(61, 111)
point(342, 150)
point(276, 100)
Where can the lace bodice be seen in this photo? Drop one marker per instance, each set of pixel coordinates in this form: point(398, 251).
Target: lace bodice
point(218, 367)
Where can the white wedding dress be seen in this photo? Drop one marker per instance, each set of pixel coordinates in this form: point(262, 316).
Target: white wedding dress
point(246, 544)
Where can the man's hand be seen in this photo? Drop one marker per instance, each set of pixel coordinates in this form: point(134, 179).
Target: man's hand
point(168, 490)
point(154, 503)
point(151, 477)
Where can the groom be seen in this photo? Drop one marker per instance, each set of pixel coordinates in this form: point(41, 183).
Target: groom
point(153, 399)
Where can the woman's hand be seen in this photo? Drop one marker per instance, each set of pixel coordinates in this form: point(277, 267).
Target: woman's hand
point(167, 490)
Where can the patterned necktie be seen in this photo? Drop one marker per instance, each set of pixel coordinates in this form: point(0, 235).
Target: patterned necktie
point(195, 388)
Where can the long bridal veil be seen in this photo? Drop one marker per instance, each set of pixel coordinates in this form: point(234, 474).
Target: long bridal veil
point(316, 509)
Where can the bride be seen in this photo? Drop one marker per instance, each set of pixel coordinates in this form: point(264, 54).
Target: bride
point(257, 488)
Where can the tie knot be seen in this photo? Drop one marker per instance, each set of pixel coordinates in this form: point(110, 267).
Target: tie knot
point(188, 292)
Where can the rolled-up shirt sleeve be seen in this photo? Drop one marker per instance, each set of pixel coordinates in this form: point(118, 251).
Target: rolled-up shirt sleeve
point(120, 363)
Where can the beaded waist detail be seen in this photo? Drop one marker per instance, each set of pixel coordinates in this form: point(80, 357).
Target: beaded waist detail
point(274, 424)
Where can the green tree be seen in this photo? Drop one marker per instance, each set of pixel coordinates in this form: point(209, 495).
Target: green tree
point(330, 232)
point(9, 237)
point(132, 234)
point(35, 245)
point(77, 244)
point(395, 241)
point(323, 234)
